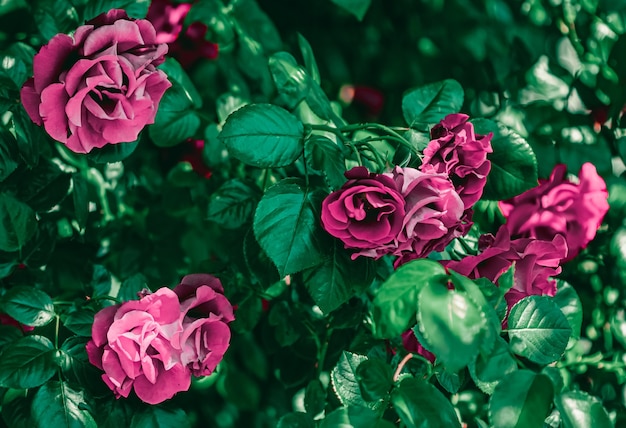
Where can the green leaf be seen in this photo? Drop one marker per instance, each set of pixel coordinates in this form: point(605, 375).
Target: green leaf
point(8, 154)
point(580, 410)
point(232, 205)
point(488, 370)
point(567, 300)
point(296, 420)
point(74, 362)
point(179, 78)
point(8, 334)
point(43, 186)
point(27, 363)
point(157, 417)
point(521, 400)
point(135, 9)
point(450, 381)
point(17, 223)
point(325, 156)
point(338, 278)
point(80, 322)
point(309, 58)
point(28, 305)
point(345, 383)
point(314, 397)
point(80, 199)
point(113, 152)
point(375, 379)
point(16, 412)
point(131, 286)
point(55, 17)
point(395, 305)
point(56, 404)
point(291, 80)
point(286, 225)
point(17, 62)
point(431, 103)
point(453, 326)
point(30, 137)
point(263, 135)
point(354, 417)
point(513, 162)
point(420, 404)
point(538, 330)
point(358, 8)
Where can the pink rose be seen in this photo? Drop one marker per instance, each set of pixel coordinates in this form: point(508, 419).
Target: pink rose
point(559, 206)
point(458, 152)
point(535, 262)
point(7, 320)
point(367, 213)
point(137, 344)
point(186, 46)
point(205, 313)
point(100, 86)
point(434, 212)
point(411, 344)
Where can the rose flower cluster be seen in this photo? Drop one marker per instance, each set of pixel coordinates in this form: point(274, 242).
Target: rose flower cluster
point(411, 212)
point(154, 345)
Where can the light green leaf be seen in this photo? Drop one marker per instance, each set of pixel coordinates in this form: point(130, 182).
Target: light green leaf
point(431, 103)
point(538, 330)
point(488, 370)
point(345, 383)
point(581, 410)
point(263, 135)
point(286, 225)
point(134, 8)
point(56, 404)
point(521, 400)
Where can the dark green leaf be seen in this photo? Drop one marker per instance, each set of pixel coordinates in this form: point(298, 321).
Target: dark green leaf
point(17, 62)
point(8, 334)
point(56, 404)
point(358, 8)
point(538, 330)
point(73, 360)
point(44, 186)
point(232, 204)
point(80, 322)
point(8, 154)
point(286, 225)
point(580, 410)
point(157, 417)
point(395, 305)
point(178, 76)
point(450, 381)
point(28, 305)
point(30, 137)
point(263, 135)
point(488, 370)
point(314, 397)
point(114, 413)
point(521, 400)
point(27, 363)
point(338, 278)
point(113, 152)
point(420, 404)
point(431, 103)
point(354, 417)
point(513, 162)
point(325, 156)
point(80, 199)
point(54, 17)
point(135, 9)
point(309, 58)
point(17, 223)
point(453, 326)
point(374, 378)
point(296, 420)
point(344, 380)
point(567, 300)
point(16, 412)
point(131, 286)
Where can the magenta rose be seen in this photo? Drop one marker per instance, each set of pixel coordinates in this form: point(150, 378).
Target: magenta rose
point(100, 86)
point(536, 261)
point(457, 151)
point(560, 206)
point(411, 344)
point(367, 213)
point(205, 313)
point(137, 344)
point(167, 19)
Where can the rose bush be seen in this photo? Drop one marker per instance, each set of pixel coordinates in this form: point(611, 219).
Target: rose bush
point(100, 86)
point(155, 344)
point(560, 206)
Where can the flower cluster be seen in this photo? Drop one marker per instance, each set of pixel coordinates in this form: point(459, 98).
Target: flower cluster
point(409, 212)
point(154, 345)
point(100, 86)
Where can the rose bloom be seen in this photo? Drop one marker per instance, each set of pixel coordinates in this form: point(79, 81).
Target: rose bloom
point(559, 206)
point(457, 151)
point(100, 86)
point(536, 261)
point(154, 345)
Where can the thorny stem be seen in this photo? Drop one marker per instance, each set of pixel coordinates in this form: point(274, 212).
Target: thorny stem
point(405, 360)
